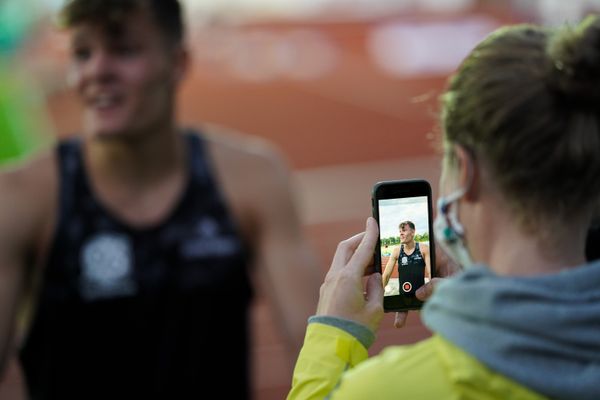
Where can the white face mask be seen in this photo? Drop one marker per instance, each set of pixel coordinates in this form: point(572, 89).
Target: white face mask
point(449, 232)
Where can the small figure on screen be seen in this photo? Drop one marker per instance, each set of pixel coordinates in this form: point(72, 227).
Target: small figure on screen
point(414, 268)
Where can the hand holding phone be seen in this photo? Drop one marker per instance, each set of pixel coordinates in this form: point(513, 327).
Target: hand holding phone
point(343, 293)
point(405, 253)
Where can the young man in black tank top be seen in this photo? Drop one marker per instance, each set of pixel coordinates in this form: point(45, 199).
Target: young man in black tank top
point(136, 242)
point(414, 267)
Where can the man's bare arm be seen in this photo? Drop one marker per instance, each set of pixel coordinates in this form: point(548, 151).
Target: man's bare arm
point(255, 180)
point(425, 252)
point(389, 267)
point(28, 194)
point(287, 261)
point(15, 233)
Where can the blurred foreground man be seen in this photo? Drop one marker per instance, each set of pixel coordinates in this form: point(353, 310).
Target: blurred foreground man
point(126, 253)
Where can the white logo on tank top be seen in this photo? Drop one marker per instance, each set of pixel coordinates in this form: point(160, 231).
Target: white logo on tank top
point(106, 267)
point(209, 242)
point(207, 228)
point(404, 260)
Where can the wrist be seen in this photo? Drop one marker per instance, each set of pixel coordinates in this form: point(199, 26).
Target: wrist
point(361, 332)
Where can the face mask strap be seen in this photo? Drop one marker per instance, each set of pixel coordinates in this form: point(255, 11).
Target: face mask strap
point(445, 202)
point(450, 215)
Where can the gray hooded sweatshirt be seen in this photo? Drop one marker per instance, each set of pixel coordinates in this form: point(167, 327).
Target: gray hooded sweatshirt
point(541, 331)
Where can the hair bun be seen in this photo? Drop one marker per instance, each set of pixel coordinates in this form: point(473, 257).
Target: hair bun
point(574, 54)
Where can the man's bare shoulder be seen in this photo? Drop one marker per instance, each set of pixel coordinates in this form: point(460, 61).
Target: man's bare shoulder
point(28, 184)
point(243, 150)
point(253, 173)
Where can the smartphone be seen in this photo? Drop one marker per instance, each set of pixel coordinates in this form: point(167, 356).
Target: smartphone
point(405, 253)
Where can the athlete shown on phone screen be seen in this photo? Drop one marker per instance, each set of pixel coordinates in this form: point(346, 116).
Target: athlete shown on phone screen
point(414, 268)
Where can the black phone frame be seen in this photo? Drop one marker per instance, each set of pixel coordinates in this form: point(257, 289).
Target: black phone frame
point(398, 189)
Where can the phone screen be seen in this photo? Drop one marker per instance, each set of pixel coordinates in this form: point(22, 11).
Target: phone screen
point(405, 249)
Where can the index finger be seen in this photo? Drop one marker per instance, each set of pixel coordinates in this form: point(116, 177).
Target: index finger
point(345, 250)
point(363, 255)
point(425, 291)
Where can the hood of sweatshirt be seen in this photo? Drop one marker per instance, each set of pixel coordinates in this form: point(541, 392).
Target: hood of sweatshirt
point(541, 331)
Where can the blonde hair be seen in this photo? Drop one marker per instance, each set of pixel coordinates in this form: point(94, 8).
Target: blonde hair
point(526, 102)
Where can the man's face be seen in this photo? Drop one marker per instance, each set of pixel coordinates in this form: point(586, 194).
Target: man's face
point(406, 234)
point(125, 79)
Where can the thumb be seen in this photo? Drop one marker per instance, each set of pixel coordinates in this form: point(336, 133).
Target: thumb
point(375, 289)
point(400, 319)
point(425, 291)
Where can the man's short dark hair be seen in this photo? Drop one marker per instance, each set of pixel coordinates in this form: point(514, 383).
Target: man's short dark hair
point(405, 223)
point(166, 13)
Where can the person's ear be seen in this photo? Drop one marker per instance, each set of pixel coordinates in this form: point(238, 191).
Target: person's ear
point(468, 172)
point(181, 63)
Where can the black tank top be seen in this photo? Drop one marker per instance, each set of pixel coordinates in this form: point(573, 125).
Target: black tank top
point(141, 313)
point(411, 270)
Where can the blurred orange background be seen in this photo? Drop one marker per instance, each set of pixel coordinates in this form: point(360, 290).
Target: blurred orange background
point(350, 98)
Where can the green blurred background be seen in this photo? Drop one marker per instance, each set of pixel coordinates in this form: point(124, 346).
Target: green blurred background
point(23, 122)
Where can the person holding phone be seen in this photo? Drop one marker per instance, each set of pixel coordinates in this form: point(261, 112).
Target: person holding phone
point(412, 258)
point(129, 255)
point(520, 186)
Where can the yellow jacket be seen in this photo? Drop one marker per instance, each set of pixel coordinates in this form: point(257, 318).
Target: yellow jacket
point(333, 365)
